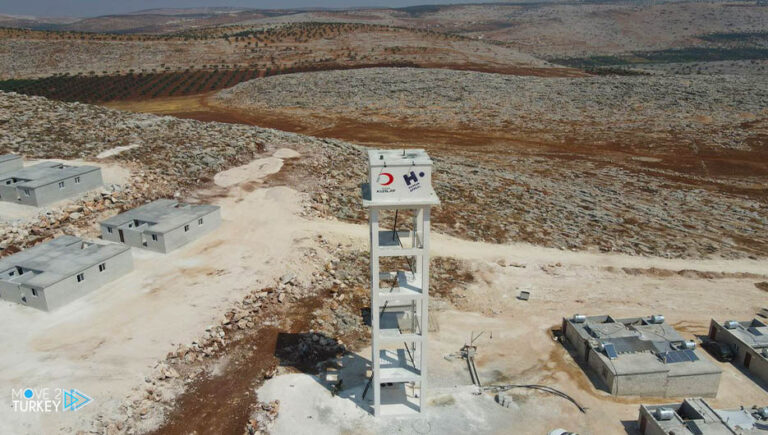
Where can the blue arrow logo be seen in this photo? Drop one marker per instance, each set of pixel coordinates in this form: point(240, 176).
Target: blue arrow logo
point(74, 400)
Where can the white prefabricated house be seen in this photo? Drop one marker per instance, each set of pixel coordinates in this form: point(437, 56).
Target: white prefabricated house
point(162, 225)
point(57, 272)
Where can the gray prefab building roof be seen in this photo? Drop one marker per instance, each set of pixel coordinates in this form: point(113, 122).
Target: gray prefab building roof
point(162, 215)
point(46, 173)
point(639, 345)
point(747, 340)
point(58, 259)
point(752, 333)
point(696, 416)
point(641, 356)
point(10, 163)
point(9, 157)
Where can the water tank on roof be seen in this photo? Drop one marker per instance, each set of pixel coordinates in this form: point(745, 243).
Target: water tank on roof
point(689, 345)
point(657, 319)
point(730, 324)
point(579, 318)
point(763, 412)
point(662, 414)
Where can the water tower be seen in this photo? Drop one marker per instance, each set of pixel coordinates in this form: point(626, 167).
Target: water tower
point(399, 197)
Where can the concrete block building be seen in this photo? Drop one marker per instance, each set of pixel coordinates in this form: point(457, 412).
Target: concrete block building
point(48, 182)
point(161, 225)
point(57, 272)
point(697, 417)
point(10, 162)
point(749, 342)
point(641, 357)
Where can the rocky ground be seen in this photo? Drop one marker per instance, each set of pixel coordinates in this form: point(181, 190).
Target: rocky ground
point(503, 195)
point(500, 197)
point(644, 165)
point(577, 205)
point(700, 111)
point(754, 67)
point(566, 30)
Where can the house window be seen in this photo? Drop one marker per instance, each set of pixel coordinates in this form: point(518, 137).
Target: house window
point(154, 237)
point(200, 221)
point(80, 277)
point(34, 292)
point(61, 184)
point(77, 180)
point(186, 228)
point(102, 267)
point(109, 230)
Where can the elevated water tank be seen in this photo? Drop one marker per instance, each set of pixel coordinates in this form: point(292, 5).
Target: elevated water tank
point(400, 176)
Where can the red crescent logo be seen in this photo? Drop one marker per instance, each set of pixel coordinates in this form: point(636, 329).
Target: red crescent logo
point(388, 175)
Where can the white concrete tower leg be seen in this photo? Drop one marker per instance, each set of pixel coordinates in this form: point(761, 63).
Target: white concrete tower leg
point(418, 226)
point(424, 271)
point(374, 267)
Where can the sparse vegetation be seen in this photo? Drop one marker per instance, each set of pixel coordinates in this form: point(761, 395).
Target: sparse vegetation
point(682, 55)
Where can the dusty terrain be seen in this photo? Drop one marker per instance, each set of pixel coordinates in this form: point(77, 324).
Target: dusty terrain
point(25, 54)
point(639, 190)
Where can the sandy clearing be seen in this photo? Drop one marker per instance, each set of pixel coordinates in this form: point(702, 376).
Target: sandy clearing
point(286, 153)
point(517, 348)
point(448, 246)
point(110, 172)
point(254, 171)
point(116, 150)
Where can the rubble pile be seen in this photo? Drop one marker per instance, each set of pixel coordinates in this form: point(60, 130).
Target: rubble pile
point(262, 417)
point(308, 351)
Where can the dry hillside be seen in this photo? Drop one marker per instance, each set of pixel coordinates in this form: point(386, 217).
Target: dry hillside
point(38, 54)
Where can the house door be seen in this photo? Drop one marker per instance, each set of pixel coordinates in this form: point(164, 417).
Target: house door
point(747, 359)
point(712, 333)
point(122, 237)
point(643, 424)
point(586, 351)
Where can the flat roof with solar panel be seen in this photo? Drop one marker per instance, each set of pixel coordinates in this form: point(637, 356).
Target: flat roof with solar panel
point(694, 416)
point(748, 343)
point(641, 356)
